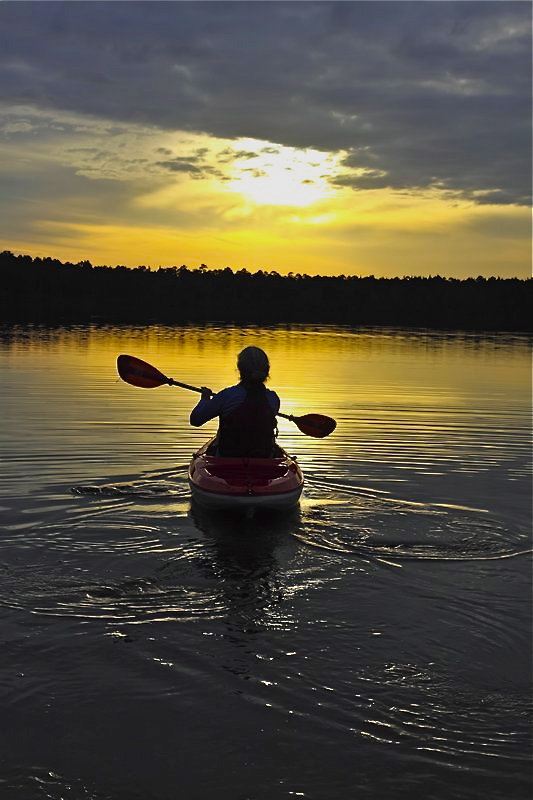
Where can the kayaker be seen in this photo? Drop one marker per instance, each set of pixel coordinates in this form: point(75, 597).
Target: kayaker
point(246, 411)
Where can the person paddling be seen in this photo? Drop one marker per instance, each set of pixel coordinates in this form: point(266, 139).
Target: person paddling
point(246, 411)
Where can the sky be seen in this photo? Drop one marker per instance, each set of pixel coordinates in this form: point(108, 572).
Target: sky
point(357, 138)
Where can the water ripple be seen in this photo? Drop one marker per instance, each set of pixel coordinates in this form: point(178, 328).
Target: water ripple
point(368, 524)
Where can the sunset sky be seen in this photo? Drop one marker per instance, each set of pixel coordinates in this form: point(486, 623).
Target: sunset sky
point(357, 138)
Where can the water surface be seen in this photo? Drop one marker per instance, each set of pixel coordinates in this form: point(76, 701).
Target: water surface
point(374, 642)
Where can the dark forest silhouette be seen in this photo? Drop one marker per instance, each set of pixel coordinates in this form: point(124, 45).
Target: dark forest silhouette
point(47, 290)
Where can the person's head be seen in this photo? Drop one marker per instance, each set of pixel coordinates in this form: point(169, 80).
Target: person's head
point(253, 365)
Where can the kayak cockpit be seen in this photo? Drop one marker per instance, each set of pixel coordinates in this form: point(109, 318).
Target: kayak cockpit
point(221, 482)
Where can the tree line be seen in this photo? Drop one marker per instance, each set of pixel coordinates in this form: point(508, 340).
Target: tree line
point(48, 290)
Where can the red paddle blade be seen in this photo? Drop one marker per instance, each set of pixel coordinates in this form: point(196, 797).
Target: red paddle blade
point(139, 373)
point(316, 425)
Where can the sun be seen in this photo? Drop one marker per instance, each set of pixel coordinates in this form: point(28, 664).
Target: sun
point(270, 174)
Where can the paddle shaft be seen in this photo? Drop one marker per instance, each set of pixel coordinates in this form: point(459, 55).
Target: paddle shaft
point(172, 382)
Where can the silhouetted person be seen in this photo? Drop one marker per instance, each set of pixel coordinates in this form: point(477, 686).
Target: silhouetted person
point(246, 411)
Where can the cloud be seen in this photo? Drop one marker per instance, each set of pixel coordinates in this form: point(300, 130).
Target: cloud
point(193, 165)
point(180, 165)
point(416, 95)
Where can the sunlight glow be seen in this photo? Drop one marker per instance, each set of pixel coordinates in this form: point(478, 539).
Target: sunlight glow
point(270, 174)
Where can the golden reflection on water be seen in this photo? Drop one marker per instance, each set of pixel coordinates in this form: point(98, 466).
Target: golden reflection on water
point(404, 398)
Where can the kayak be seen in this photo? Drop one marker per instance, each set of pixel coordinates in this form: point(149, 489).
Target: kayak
point(218, 482)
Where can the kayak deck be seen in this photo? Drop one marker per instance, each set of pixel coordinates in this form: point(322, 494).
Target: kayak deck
point(219, 482)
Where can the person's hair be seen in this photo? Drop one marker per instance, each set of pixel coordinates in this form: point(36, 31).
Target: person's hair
point(253, 366)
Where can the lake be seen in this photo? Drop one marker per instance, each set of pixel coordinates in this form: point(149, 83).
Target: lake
point(375, 642)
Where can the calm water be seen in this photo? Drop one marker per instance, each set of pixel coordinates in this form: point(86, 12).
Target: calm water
point(374, 643)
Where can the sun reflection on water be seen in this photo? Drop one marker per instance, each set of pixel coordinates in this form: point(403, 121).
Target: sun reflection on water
point(406, 405)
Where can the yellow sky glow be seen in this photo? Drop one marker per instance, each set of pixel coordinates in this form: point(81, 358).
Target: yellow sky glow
point(143, 196)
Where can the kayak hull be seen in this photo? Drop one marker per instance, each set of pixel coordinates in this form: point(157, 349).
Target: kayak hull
point(218, 483)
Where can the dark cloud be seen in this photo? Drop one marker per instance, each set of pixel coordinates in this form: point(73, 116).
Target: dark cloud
point(180, 165)
point(418, 94)
point(229, 155)
point(191, 167)
point(186, 165)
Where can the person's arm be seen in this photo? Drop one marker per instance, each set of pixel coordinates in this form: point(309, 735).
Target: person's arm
point(274, 401)
point(207, 408)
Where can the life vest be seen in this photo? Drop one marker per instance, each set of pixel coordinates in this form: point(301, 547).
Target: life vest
point(248, 431)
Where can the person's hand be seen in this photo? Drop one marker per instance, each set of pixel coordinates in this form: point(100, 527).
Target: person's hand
point(206, 393)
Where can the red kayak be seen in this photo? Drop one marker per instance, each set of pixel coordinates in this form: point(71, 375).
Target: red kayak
point(218, 482)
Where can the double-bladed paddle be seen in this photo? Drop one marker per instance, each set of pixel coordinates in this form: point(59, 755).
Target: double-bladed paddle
point(140, 373)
